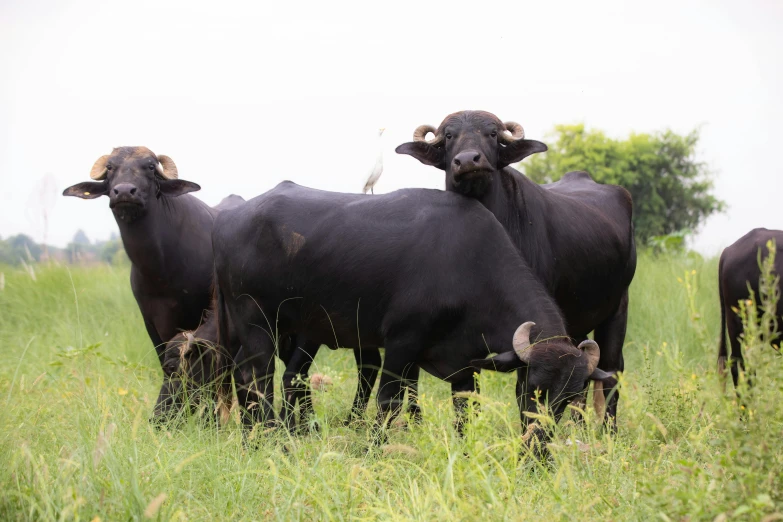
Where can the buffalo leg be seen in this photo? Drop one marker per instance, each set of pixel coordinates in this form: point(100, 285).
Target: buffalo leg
point(461, 403)
point(737, 361)
point(398, 363)
point(610, 336)
point(368, 363)
point(160, 344)
point(255, 387)
point(413, 391)
point(163, 319)
point(295, 388)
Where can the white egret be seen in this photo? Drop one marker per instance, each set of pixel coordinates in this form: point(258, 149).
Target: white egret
point(377, 169)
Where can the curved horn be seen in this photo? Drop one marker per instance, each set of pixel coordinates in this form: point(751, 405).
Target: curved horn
point(98, 171)
point(189, 345)
point(184, 348)
point(420, 134)
point(593, 353)
point(521, 341)
point(514, 132)
point(166, 167)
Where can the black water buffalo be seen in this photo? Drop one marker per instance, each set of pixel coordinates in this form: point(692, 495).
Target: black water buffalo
point(576, 235)
point(167, 235)
point(739, 267)
point(388, 271)
point(191, 362)
point(195, 369)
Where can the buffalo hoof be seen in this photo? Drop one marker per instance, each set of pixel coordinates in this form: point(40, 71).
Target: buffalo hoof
point(354, 420)
point(308, 428)
point(415, 415)
point(378, 437)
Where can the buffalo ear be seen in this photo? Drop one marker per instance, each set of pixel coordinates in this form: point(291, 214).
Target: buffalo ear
point(505, 362)
point(519, 150)
point(600, 375)
point(176, 187)
point(88, 190)
point(424, 152)
point(607, 379)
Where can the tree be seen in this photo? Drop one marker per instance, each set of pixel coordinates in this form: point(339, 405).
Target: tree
point(80, 238)
point(671, 190)
point(19, 248)
point(110, 249)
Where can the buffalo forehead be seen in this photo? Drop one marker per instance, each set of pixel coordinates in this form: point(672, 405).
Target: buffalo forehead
point(472, 118)
point(132, 153)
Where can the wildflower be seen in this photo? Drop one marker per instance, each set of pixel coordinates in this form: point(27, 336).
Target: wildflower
point(154, 505)
point(399, 448)
point(319, 381)
point(122, 391)
point(102, 443)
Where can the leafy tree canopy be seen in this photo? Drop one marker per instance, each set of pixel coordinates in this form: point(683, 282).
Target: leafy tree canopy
point(671, 190)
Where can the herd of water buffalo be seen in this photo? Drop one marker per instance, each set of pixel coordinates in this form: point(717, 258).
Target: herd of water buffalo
point(440, 279)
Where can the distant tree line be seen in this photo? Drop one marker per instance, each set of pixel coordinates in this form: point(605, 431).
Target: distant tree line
point(21, 248)
point(672, 191)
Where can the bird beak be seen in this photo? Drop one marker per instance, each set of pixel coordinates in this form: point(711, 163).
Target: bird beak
point(382, 129)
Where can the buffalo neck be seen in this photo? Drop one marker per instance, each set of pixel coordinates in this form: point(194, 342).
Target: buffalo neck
point(521, 207)
point(530, 300)
point(154, 240)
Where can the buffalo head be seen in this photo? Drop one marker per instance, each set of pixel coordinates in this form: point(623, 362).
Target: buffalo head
point(471, 146)
point(555, 371)
point(191, 368)
point(132, 177)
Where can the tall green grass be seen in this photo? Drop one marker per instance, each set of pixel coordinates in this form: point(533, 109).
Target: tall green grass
point(78, 379)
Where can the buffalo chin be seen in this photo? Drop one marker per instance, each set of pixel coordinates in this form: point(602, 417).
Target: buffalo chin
point(128, 212)
point(472, 184)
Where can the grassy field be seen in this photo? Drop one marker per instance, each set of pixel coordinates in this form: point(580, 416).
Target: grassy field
point(78, 379)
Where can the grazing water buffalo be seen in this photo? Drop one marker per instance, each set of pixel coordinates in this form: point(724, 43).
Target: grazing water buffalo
point(191, 362)
point(167, 235)
point(575, 235)
point(384, 271)
point(739, 267)
point(196, 367)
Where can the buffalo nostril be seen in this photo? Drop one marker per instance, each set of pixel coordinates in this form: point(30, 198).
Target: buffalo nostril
point(457, 162)
point(476, 158)
point(133, 190)
point(116, 191)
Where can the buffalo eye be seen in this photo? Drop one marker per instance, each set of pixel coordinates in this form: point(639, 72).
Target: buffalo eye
point(494, 134)
point(109, 166)
point(151, 166)
point(448, 135)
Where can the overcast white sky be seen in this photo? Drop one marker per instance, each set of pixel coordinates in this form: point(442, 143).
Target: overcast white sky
point(244, 95)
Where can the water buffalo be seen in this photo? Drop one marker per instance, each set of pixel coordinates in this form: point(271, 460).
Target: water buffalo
point(192, 361)
point(167, 235)
point(739, 267)
point(384, 271)
point(196, 368)
point(576, 235)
